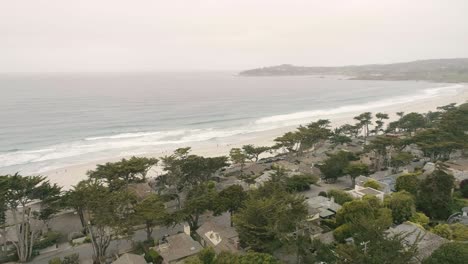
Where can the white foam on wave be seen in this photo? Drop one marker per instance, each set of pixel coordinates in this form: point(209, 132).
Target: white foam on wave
point(113, 144)
point(298, 117)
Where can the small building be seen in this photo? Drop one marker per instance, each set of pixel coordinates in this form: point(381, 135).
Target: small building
point(459, 169)
point(320, 207)
point(360, 191)
point(178, 247)
point(128, 258)
point(218, 233)
point(427, 242)
point(260, 180)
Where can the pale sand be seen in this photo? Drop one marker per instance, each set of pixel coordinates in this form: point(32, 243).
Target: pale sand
point(71, 175)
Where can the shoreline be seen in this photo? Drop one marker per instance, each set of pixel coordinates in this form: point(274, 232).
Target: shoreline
point(68, 176)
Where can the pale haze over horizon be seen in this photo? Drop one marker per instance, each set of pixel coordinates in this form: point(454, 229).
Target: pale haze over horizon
point(117, 35)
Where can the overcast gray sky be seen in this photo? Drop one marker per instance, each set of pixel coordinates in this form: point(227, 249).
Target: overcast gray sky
point(171, 35)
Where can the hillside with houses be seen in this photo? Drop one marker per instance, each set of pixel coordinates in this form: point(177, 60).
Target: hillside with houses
point(438, 70)
point(372, 191)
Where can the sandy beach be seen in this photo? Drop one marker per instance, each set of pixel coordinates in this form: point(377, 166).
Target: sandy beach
point(71, 175)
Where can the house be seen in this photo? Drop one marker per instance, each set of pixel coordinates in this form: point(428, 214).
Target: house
point(427, 242)
point(360, 191)
point(459, 169)
point(384, 184)
point(320, 207)
point(260, 180)
point(217, 232)
point(176, 248)
point(128, 258)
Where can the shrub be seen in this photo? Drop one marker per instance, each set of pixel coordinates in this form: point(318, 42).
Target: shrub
point(55, 260)
point(340, 196)
point(322, 193)
point(153, 257)
point(421, 219)
point(464, 191)
point(71, 259)
point(301, 182)
point(453, 253)
point(342, 232)
point(463, 183)
point(373, 184)
point(49, 239)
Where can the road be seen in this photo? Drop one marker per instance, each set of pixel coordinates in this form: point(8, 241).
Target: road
point(86, 250)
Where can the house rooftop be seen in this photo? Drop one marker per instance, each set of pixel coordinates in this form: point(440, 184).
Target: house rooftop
point(427, 242)
point(129, 258)
point(178, 247)
point(370, 191)
point(219, 234)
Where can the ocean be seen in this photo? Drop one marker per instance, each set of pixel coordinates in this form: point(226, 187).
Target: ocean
point(55, 120)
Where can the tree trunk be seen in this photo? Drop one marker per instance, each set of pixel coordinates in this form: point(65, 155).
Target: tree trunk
point(149, 231)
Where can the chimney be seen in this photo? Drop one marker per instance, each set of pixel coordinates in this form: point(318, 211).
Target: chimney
point(187, 229)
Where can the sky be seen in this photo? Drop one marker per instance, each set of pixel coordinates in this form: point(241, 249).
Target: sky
point(225, 35)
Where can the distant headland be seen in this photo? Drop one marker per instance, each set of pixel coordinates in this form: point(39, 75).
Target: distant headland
point(436, 70)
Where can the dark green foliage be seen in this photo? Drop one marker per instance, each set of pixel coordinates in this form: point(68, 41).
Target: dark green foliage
point(450, 253)
point(254, 152)
point(400, 159)
point(125, 171)
point(364, 122)
point(269, 214)
point(408, 182)
point(231, 199)
point(373, 184)
point(435, 195)
point(152, 256)
point(464, 191)
point(305, 137)
point(200, 198)
point(369, 211)
point(334, 166)
point(412, 121)
point(151, 211)
point(355, 170)
point(55, 260)
point(323, 193)
point(341, 197)
point(402, 205)
point(301, 182)
point(437, 144)
point(71, 259)
point(207, 255)
point(48, 239)
point(18, 191)
point(184, 170)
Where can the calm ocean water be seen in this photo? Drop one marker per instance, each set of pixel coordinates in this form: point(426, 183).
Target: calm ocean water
point(55, 120)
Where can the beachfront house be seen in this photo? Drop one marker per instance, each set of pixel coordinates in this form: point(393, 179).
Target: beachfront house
point(359, 192)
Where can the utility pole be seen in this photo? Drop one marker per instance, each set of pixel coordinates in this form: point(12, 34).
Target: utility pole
point(365, 246)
